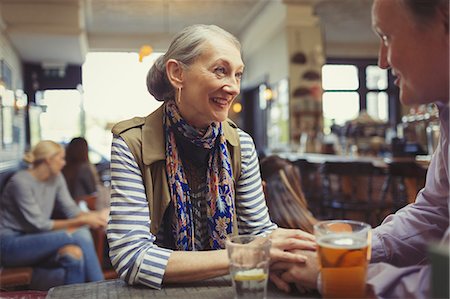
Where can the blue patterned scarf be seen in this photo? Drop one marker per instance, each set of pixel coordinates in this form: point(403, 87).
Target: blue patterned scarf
point(219, 185)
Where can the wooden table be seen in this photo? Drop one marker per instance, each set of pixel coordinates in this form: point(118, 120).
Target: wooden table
point(216, 288)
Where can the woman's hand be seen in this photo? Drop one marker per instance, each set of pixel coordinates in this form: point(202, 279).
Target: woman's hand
point(94, 219)
point(286, 241)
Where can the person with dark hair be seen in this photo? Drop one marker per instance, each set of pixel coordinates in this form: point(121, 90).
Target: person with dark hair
point(81, 176)
point(28, 235)
point(414, 44)
point(184, 178)
point(285, 199)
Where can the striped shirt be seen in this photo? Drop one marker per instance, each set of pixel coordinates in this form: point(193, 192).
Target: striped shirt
point(134, 250)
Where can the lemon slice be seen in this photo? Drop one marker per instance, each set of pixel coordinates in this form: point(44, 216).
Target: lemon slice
point(254, 274)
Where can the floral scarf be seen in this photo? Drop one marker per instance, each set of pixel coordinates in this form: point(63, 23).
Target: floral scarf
point(219, 185)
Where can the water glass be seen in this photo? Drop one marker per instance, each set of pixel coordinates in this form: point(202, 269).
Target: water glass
point(249, 258)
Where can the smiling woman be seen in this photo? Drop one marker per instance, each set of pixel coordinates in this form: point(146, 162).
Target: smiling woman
point(185, 177)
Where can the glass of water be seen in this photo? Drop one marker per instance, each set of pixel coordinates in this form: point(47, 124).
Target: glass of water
point(249, 258)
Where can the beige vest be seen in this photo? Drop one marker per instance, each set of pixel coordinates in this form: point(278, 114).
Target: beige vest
point(145, 139)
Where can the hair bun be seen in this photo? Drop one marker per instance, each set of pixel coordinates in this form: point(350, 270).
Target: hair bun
point(29, 157)
point(157, 83)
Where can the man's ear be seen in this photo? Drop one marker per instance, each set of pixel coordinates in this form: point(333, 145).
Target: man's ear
point(174, 72)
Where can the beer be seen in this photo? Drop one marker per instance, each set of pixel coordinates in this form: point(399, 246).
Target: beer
point(343, 258)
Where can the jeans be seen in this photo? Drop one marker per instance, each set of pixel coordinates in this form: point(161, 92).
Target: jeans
point(40, 251)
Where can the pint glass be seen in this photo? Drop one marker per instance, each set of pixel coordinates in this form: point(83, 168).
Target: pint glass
point(344, 253)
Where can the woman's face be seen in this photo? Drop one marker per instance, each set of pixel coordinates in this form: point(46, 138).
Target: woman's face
point(211, 83)
point(416, 53)
point(57, 162)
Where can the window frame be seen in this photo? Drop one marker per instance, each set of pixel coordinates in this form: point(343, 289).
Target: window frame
point(394, 108)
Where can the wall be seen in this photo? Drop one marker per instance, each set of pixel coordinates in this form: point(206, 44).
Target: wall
point(270, 63)
point(11, 153)
point(351, 50)
point(9, 55)
point(264, 44)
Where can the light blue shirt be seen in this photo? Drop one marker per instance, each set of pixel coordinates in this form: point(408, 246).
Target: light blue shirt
point(399, 245)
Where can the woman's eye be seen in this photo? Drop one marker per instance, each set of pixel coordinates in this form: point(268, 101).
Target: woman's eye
point(239, 76)
point(220, 70)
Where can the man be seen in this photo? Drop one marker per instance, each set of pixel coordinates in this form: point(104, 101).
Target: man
point(414, 44)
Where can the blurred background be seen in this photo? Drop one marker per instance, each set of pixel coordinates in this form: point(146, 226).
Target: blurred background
point(75, 67)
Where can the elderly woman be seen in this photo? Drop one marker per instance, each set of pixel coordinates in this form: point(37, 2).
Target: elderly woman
point(415, 46)
point(185, 177)
point(28, 235)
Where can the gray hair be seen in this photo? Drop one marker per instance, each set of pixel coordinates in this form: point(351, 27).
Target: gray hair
point(186, 47)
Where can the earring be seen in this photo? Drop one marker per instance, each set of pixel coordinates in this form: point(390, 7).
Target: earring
point(179, 95)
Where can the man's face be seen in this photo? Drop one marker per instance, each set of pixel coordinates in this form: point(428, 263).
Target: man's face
point(416, 52)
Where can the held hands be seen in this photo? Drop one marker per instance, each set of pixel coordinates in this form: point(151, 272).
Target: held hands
point(286, 241)
point(294, 259)
point(303, 275)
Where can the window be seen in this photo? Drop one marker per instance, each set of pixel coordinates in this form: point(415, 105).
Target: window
point(278, 116)
point(352, 86)
point(61, 121)
point(115, 89)
point(340, 99)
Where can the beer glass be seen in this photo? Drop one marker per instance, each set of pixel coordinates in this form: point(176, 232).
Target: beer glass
point(344, 253)
point(249, 258)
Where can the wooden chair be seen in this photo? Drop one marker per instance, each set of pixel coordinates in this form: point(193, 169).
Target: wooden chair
point(310, 183)
point(348, 190)
point(15, 278)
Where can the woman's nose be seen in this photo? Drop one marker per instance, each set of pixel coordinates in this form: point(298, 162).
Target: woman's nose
point(233, 87)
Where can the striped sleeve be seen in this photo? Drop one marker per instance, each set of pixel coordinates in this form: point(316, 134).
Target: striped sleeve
point(133, 252)
point(252, 213)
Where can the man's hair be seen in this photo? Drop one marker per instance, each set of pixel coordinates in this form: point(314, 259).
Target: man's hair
point(425, 10)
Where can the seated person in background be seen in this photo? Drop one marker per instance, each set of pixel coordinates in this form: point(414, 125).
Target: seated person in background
point(81, 176)
point(414, 36)
point(287, 204)
point(185, 177)
point(28, 236)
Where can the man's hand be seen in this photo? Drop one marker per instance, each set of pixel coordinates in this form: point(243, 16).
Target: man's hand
point(304, 275)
